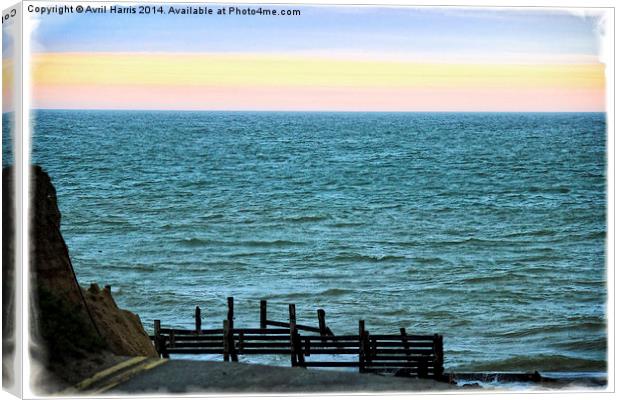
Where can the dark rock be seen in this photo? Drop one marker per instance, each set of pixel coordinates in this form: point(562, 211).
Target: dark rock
point(94, 288)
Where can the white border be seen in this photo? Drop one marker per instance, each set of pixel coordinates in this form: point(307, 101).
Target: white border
point(609, 44)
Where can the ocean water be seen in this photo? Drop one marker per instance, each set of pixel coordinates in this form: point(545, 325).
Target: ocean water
point(487, 228)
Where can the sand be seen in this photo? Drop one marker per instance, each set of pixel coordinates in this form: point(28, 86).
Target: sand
point(184, 376)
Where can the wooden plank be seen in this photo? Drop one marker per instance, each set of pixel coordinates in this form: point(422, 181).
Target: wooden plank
point(267, 351)
point(266, 345)
point(206, 332)
point(308, 328)
point(196, 338)
point(191, 331)
point(334, 351)
point(426, 359)
point(403, 351)
point(421, 345)
point(206, 345)
point(316, 344)
point(333, 338)
point(195, 351)
point(268, 338)
point(277, 323)
point(269, 331)
point(299, 326)
point(263, 314)
point(399, 337)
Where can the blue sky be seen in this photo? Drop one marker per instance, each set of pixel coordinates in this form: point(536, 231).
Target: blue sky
point(330, 29)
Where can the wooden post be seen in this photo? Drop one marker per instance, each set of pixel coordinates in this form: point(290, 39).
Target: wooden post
point(198, 318)
point(373, 348)
point(241, 342)
point(403, 338)
point(293, 332)
point(263, 314)
point(362, 334)
point(422, 363)
point(301, 359)
point(321, 314)
point(231, 326)
point(164, 349)
point(157, 334)
point(231, 312)
point(225, 341)
point(172, 339)
point(367, 350)
point(438, 353)
point(160, 341)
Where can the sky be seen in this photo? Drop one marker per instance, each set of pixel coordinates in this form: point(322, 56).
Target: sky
point(329, 58)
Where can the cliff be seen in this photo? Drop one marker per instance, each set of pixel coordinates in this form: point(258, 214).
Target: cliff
point(67, 322)
point(122, 329)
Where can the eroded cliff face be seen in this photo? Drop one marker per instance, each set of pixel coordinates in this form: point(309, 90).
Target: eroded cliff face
point(67, 322)
point(62, 326)
point(122, 329)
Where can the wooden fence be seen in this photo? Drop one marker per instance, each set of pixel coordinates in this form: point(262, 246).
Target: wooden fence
point(406, 354)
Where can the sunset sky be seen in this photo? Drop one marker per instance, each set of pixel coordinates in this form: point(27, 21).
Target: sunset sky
point(329, 58)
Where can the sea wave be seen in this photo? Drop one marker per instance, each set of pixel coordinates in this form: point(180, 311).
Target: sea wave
point(357, 257)
point(540, 363)
point(196, 242)
point(545, 330)
point(306, 218)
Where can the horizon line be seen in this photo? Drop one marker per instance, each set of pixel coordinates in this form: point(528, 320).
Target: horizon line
point(324, 111)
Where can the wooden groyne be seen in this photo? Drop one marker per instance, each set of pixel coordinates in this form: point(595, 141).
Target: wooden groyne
point(404, 354)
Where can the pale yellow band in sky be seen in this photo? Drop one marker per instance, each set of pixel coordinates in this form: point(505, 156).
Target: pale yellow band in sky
point(253, 70)
point(257, 82)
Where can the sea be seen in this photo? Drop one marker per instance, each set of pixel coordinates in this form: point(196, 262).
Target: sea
point(487, 228)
